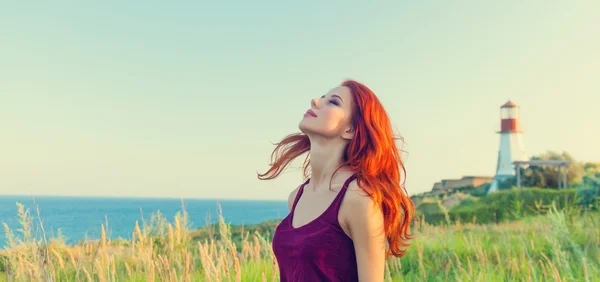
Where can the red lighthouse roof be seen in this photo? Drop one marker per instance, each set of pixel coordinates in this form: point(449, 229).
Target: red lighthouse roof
point(509, 104)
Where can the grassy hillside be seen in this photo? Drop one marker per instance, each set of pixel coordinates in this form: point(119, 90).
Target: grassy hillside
point(562, 244)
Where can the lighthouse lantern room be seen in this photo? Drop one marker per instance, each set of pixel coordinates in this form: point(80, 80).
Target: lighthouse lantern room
point(509, 116)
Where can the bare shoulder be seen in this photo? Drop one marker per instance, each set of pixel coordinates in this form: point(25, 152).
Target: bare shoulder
point(358, 199)
point(359, 210)
point(292, 197)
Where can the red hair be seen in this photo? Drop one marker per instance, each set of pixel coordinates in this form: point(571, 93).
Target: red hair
point(373, 155)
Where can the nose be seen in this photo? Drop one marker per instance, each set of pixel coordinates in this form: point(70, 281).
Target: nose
point(313, 102)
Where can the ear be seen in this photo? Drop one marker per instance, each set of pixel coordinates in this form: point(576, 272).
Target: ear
point(348, 133)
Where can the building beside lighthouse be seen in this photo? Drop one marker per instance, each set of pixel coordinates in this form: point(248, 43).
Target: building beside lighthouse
point(511, 144)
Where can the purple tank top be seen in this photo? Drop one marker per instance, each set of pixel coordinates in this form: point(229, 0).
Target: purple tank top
point(318, 250)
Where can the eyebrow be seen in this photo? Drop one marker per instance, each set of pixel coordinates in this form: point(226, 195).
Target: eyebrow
point(334, 95)
point(338, 97)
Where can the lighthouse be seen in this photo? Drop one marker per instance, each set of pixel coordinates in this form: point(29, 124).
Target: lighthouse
point(511, 144)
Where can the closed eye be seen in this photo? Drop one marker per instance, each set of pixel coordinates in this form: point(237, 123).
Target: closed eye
point(332, 101)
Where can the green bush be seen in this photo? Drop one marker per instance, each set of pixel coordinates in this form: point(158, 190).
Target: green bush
point(480, 190)
point(507, 205)
point(429, 208)
point(467, 202)
point(503, 199)
point(589, 197)
point(3, 263)
point(508, 183)
point(482, 214)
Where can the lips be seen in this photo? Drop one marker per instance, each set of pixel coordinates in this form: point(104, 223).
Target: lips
point(310, 113)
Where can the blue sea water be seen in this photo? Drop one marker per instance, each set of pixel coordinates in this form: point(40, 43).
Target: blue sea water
point(78, 217)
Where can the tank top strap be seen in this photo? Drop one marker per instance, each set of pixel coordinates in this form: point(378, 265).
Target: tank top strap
point(337, 202)
point(298, 194)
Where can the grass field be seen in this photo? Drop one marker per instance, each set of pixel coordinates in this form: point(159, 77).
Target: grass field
point(562, 245)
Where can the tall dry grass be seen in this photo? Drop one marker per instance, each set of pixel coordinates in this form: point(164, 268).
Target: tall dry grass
point(156, 252)
point(558, 246)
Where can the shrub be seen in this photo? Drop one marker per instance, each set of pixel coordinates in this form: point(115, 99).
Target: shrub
point(429, 208)
point(467, 202)
point(507, 205)
point(589, 197)
point(3, 263)
point(480, 190)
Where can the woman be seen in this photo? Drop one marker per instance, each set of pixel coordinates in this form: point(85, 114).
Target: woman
point(351, 213)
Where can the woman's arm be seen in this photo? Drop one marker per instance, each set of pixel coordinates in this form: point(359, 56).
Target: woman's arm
point(366, 227)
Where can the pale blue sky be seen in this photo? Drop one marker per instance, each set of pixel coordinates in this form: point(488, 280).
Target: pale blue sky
point(183, 100)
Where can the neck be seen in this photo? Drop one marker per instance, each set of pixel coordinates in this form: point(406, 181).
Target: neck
point(325, 157)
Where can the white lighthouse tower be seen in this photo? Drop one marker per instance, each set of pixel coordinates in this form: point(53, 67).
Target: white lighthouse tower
point(511, 144)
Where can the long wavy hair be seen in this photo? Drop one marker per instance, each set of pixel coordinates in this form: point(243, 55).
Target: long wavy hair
point(374, 157)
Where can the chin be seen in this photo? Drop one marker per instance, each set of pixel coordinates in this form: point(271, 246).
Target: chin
point(302, 128)
point(302, 125)
point(305, 128)
point(310, 128)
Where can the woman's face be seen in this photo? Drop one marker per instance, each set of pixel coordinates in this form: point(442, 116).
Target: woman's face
point(330, 116)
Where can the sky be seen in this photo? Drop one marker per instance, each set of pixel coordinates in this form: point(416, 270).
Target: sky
point(150, 99)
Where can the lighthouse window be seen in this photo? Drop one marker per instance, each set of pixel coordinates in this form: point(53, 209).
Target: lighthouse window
point(509, 113)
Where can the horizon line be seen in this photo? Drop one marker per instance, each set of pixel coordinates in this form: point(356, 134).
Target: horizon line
point(136, 197)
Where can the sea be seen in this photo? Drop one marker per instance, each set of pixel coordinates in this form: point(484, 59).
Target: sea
point(80, 218)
